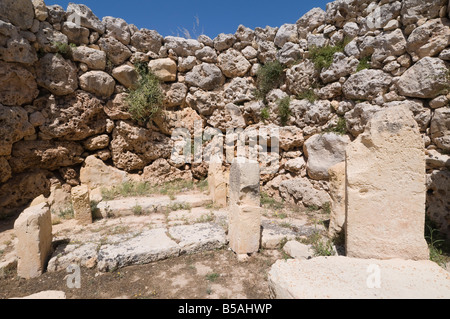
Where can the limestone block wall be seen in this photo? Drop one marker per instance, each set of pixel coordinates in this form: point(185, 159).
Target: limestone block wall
point(59, 106)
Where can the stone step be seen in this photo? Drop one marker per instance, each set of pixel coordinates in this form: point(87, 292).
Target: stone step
point(273, 233)
point(156, 204)
point(352, 278)
point(139, 248)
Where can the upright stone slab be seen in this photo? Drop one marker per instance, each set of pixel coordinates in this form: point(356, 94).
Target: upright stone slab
point(337, 194)
point(81, 204)
point(385, 214)
point(244, 182)
point(244, 226)
point(33, 229)
point(217, 184)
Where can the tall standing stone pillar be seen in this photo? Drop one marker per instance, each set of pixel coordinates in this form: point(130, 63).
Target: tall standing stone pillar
point(244, 230)
point(33, 229)
point(218, 184)
point(385, 213)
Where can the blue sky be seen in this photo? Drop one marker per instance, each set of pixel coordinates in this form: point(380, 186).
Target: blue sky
point(170, 16)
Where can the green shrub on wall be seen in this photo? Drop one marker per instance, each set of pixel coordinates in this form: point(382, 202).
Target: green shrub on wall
point(268, 77)
point(284, 110)
point(145, 101)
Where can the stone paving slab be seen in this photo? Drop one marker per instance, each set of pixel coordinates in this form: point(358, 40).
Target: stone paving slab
point(150, 246)
point(126, 206)
point(118, 251)
point(273, 233)
point(351, 278)
point(198, 237)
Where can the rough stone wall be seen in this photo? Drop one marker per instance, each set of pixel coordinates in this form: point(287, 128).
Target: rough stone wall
point(58, 109)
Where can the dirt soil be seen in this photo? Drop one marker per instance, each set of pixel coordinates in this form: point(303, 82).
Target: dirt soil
point(207, 275)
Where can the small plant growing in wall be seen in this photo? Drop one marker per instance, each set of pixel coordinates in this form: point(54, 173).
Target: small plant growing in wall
point(364, 63)
point(265, 114)
point(284, 110)
point(309, 95)
point(340, 128)
point(323, 56)
point(64, 49)
point(145, 101)
point(268, 77)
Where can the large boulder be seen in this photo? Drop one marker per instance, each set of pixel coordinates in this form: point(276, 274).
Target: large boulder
point(49, 155)
point(14, 126)
point(134, 147)
point(357, 118)
point(75, 34)
point(301, 77)
point(98, 82)
point(311, 20)
point(323, 152)
point(5, 169)
point(440, 128)
point(182, 47)
point(95, 173)
point(175, 94)
point(118, 29)
point(205, 102)
point(57, 74)
point(224, 41)
point(17, 85)
point(438, 192)
point(94, 59)
point(84, 16)
point(165, 69)
point(21, 189)
point(147, 40)
point(425, 79)
point(385, 219)
point(205, 76)
point(341, 66)
point(391, 43)
point(185, 118)
point(366, 84)
point(429, 39)
point(300, 190)
point(415, 10)
point(15, 47)
point(49, 39)
point(286, 33)
point(126, 75)
point(73, 117)
point(160, 171)
point(115, 50)
point(233, 63)
point(18, 12)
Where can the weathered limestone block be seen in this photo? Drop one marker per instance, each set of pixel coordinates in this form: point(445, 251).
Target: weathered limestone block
point(386, 189)
point(337, 194)
point(95, 173)
point(218, 183)
point(33, 229)
point(244, 182)
point(244, 229)
point(17, 85)
point(341, 277)
point(164, 69)
point(126, 75)
point(324, 151)
point(81, 204)
point(244, 225)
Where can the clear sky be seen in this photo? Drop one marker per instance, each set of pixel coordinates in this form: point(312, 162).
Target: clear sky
point(170, 17)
